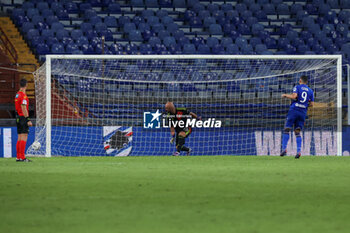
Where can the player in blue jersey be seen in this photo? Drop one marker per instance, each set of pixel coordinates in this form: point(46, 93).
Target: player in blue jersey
point(302, 98)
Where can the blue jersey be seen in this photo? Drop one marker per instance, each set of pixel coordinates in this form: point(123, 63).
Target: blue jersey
point(305, 96)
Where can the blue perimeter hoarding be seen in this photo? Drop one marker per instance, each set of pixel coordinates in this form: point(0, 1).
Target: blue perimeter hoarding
point(202, 141)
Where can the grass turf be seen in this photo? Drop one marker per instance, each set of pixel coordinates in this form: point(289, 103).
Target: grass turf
point(175, 194)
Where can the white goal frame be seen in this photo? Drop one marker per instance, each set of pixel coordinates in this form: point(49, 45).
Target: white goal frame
point(263, 57)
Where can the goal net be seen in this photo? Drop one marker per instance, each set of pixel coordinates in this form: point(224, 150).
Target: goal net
point(110, 105)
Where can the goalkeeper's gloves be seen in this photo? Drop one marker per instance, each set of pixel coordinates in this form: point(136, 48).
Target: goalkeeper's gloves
point(172, 139)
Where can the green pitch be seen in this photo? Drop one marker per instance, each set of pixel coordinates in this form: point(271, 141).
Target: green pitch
point(175, 194)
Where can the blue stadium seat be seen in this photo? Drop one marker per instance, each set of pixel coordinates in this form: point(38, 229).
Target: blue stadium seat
point(260, 15)
point(203, 14)
point(161, 13)
point(208, 21)
point(128, 27)
point(82, 40)
point(53, 40)
point(147, 13)
point(172, 27)
point(157, 27)
point(178, 34)
point(218, 49)
point(72, 48)
point(152, 20)
point(27, 5)
point(153, 41)
point(36, 40)
point(257, 28)
point(246, 14)
point(89, 13)
point(290, 49)
point(251, 20)
point(76, 34)
point(297, 42)
point(169, 41)
point(232, 49)
point(240, 7)
point(243, 29)
point(57, 26)
point(282, 43)
point(147, 34)
point(143, 27)
point(42, 49)
point(51, 19)
point(189, 49)
point(95, 19)
point(302, 49)
point(114, 48)
point(213, 7)
point(31, 12)
point(225, 41)
point(264, 34)
point(100, 27)
point(269, 9)
point(327, 28)
point(71, 7)
point(65, 40)
point(84, 6)
point(301, 14)
point(197, 41)
point(135, 36)
point(62, 14)
point(260, 48)
point(137, 20)
point(215, 29)
point(295, 8)
point(255, 7)
point(203, 49)
point(198, 7)
point(151, 3)
point(166, 20)
point(57, 49)
point(226, 7)
point(110, 21)
point(195, 21)
point(183, 40)
point(291, 35)
point(343, 29)
point(18, 12)
point(61, 33)
point(323, 8)
point(228, 28)
point(282, 9)
point(212, 41)
point(46, 13)
point(247, 49)
point(333, 4)
point(311, 9)
point(163, 33)
point(344, 16)
point(254, 41)
point(270, 42)
point(47, 33)
point(26, 26)
point(114, 8)
point(179, 3)
point(87, 49)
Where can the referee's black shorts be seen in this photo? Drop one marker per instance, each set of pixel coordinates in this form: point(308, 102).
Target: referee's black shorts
point(22, 125)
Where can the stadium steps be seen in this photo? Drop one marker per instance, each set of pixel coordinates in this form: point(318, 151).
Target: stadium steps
point(25, 55)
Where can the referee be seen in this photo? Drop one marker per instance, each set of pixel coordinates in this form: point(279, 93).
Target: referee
point(22, 120)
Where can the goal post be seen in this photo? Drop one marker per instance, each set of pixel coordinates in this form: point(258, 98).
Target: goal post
point(89, 101)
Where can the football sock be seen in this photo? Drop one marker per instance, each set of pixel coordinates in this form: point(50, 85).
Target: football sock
point(285, 140)
point(18, 153)
point(180, 145)
point(298, 138)
point(23, 149)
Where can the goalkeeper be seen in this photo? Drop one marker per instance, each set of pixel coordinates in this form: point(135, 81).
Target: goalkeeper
point(179, 133)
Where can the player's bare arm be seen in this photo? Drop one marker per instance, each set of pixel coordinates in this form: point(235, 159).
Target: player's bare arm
point(194, 115)
point(311, 104)
point(26, 114)
point(292, 96)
